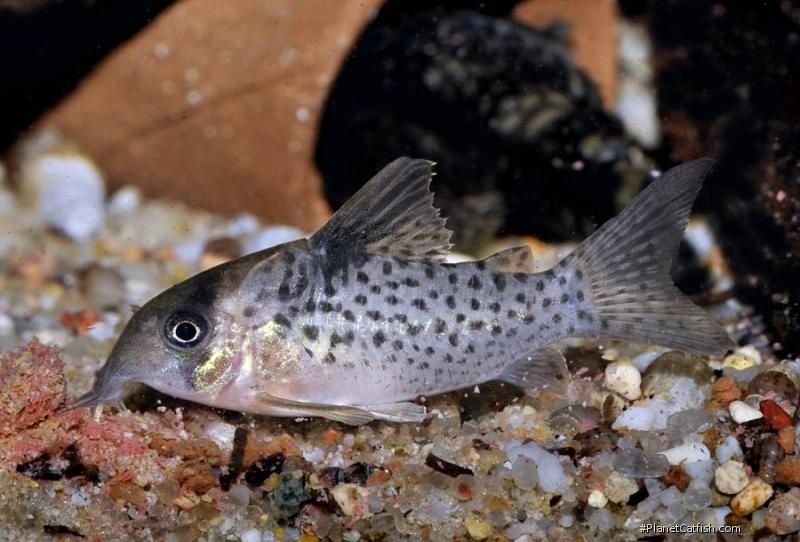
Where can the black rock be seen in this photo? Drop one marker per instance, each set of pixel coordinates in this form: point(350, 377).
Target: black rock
point(49, 45)
point(518, 132)
point(728, 82)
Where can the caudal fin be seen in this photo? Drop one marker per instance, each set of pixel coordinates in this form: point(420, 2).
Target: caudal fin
point(626, 264)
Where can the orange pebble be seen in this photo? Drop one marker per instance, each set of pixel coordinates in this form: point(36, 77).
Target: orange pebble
point(331, 436)
point(79, 321)
point(776, 417)
point(786, 439)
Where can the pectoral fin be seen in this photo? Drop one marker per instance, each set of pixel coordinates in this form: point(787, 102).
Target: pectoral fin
point(350, 415)
point(397, 412)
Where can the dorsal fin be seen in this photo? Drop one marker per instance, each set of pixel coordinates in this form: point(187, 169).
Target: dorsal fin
point(512, 260)
point(392, 214)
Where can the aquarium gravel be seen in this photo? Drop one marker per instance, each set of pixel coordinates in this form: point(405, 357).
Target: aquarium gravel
point(642, 439)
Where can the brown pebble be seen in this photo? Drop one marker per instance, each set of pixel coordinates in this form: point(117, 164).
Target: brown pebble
point(783, 514)
point(786, 438)
point(724, 391)
point(218, 251)
point(128, 492)
point(445, 467)
point(677, 477)
point(202, 448)
point(774, 382)
point(585, 362)
point(788, 471)
point(34, 269)
point(711, 439)
point(255, 449)
point(378, 476)
point(770, 455)
point(196, 475)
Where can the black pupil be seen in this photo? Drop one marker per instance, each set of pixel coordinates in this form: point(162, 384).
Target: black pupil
point(186, 331)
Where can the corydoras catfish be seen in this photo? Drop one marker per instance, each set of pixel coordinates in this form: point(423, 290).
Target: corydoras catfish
point(361, 318)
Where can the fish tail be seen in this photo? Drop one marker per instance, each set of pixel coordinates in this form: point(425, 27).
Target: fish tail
point(625, 266)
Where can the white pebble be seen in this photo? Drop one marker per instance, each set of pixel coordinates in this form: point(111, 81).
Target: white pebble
point(552, 478)
point(189, 251)
point(700, 471)
point(222, 434)
point(525, 473)
point(314, 455)
point(68, 192)
point(636, 418)
point(619, 488)
point(741, 412)
point(6, 325)
point(349, 497)
point(687, 453)
point(729, 449)
point(251, 535)
point(79, 499)
point(125, 200)
point(731, 478)
point(269, 237)
point(243, 224)
point(643, 360)
point(623, 378)
point(597, 499)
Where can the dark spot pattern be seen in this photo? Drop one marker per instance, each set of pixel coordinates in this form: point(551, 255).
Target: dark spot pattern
point(312, 332)
point(282, 320)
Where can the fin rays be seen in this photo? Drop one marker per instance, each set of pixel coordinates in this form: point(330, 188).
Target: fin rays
point(626, 263)
point(392, 214)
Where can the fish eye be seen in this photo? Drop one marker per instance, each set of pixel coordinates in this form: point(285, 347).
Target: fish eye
point(185, 328)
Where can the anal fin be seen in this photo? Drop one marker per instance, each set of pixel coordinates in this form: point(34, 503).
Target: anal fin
point(538, 370)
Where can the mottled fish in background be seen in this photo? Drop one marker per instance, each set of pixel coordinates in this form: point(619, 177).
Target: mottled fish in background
point(355, 322)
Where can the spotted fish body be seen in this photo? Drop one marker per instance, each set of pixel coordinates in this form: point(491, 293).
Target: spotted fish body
point(364, 316)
